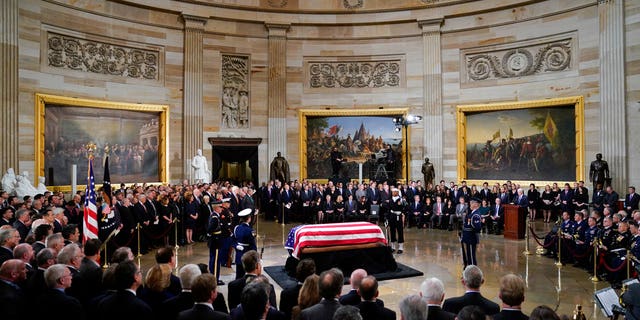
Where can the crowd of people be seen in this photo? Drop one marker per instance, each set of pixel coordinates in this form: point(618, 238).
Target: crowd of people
point(221, 214)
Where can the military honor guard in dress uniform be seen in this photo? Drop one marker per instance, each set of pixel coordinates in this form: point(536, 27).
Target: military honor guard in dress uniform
point(471, 226)
point(245, 239)
point(216, 239)
point(395, 217)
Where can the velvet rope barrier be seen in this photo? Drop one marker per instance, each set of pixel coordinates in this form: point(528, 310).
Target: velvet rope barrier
point(609, 268)
point(535, 237)
point(573, 253)
point(155, 237)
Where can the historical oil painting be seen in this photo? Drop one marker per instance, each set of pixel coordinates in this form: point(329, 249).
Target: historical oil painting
point(360, 139)
point(535, 143)
point(134, 137)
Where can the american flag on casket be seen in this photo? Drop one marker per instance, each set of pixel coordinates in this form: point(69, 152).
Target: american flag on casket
point(332, 234)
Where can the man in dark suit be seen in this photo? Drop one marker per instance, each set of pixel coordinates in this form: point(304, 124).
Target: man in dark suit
point(352, 297)
point(184, 300)
point(432, 290)
point(631, 201)
point(253, 268)
point(611, 199)
point(512, 296)
point(496, 217)
point(566, 198)
point(521, 199)
point(330, 286)
point(204, 291)
point(12, 299)
point(124, 304)
point(369, 309)
point(58, 278)
point(89, 274)
point(373, 195)
point(9, 239)
point(472, 279)
point(289, 296)
point(22, 223)
point(256, 300)
point(416, 212)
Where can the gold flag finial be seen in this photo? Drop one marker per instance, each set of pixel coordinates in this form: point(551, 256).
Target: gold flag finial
point(91, 148)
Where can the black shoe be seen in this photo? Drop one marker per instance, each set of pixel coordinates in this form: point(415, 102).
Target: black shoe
point(399, 251)
point(220, 283)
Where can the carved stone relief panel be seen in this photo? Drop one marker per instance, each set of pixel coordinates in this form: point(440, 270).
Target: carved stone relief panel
point(277, 3)
point(519, 60)
point(235, 102)
point(100, 57)
point(354, 73)
point(352, 4)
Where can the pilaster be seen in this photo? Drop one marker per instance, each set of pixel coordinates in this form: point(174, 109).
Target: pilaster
point(9, 85)
point(277, 89)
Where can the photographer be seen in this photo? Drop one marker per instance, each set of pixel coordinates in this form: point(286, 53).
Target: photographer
point(631, 299)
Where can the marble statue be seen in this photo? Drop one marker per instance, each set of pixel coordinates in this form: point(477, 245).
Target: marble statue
point(41, 187)
point(201, 171)
point(9, 181)
point(24, 186)
point(599, 172)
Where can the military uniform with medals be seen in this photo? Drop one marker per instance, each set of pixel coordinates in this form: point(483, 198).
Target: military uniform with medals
point(245, 240)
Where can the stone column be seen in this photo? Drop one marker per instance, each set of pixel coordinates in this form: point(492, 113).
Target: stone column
point(192, 94)
point(277, 89)
point(612, 92)
point(9, 86)
point(432, 87)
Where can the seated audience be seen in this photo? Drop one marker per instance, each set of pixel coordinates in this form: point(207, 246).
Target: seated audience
point(309, 295)
point(352, 297)
point(543, 313)
point(57, 278)
point(289, 296)
point(471, 312)
point(124, 304)
point(347, 312)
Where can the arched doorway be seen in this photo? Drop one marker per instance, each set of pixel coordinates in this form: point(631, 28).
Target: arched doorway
point(235, 159)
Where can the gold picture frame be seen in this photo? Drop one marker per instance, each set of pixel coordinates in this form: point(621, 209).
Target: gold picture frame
point(350, 115)
point(158, 113)
point(525, 117)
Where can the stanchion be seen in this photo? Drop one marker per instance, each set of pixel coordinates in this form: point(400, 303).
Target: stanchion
point(526, 251)
point(138, 228)
point(595, 263)
point(175, 229)
point(559, 262)
point(628, 265)
point(283, 215)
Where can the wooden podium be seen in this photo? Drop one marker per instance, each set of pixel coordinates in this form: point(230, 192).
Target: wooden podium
point(514, 221)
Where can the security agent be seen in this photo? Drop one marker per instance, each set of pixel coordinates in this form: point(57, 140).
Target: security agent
point(471, 226)
point(245, 239)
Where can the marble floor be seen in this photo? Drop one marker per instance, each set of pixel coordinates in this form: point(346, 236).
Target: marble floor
point(437, 254)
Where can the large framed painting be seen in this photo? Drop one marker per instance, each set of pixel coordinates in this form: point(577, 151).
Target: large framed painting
point(135, 134)
point(360, 135)
point(539, 141)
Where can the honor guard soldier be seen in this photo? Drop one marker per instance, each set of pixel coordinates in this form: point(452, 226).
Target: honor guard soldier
point(397, 207)
point(471, 226)
point(216, 239)
point(245, 239)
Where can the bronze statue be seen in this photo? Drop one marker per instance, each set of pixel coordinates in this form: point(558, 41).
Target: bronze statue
point(279, 168)
point(428, 172)
point(599, 172)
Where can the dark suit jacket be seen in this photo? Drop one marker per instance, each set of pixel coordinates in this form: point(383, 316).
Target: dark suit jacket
point(22, 229)
point(631, 201)
point(272, 314)
point(455, 304)
point(289, 299)
point(51, 300)
point(322, 310)
point(171, 307)
point(436, 313)
point(12, 302)
point(88, 283)
point(510, 315)
point(235, 291)
point(123, 305)
point(5, 254)
point(352, 298)
point(202, 312)
point(370, 310)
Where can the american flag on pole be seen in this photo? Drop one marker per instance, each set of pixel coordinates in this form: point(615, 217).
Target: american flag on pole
point(334, 234)
point(90, 223)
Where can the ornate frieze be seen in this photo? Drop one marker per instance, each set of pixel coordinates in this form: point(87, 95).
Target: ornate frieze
point(352, 4)
point(70, 52)
point(235, 91)
point(519, 61)
point(355, 74)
